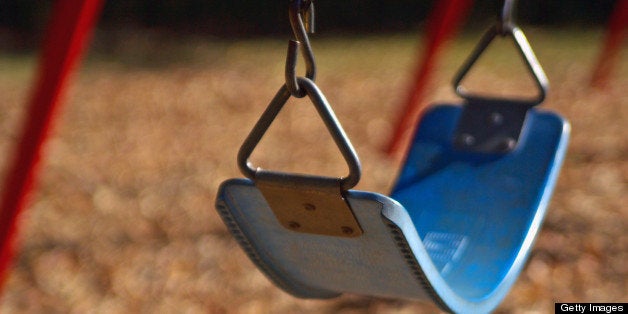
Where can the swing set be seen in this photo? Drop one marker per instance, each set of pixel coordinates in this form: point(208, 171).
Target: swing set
point(460, 221)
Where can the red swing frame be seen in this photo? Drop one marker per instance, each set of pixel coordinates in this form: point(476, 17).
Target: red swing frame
point(67, 35)
point(443, 22)
point(615, 35)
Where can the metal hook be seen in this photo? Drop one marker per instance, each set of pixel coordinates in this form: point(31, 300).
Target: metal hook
point(506, 19)
point(300, 10)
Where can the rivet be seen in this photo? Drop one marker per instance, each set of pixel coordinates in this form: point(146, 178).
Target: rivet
point(466, 139)
point(507, 144)
point(346, 230)
point(496, 118)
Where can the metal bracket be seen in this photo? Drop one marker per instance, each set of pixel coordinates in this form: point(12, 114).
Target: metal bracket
point(308, 204)
point(490, 126)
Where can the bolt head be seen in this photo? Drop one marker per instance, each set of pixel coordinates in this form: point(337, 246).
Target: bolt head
point(466, 139)
point(496, 118)
point(346, 230)
point(507, 144)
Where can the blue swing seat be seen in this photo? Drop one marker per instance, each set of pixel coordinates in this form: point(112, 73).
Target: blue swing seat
point(457, 228)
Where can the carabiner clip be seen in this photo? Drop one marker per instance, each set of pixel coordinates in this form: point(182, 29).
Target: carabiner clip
point(298, 12)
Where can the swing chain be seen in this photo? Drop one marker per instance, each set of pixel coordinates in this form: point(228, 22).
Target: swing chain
point(506, 20)
point(301, 15)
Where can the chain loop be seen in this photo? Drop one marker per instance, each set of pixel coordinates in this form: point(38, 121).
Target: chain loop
point(299, 11)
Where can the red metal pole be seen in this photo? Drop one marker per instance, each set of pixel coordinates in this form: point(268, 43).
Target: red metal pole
point(615, 35)
point(67, 34)
point(445, 19)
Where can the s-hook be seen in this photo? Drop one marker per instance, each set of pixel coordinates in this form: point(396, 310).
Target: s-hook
point(299, 11)
point(506, 19)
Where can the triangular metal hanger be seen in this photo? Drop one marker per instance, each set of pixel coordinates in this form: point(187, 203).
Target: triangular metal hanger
point(306, 203)
point(506, 26)
point(326, 114)
point(524, 49)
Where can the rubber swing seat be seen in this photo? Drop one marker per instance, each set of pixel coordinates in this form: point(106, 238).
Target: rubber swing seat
point(456, 230)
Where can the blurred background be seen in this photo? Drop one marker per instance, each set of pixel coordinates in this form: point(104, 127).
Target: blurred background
point(24, 20)
point(123, 217)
